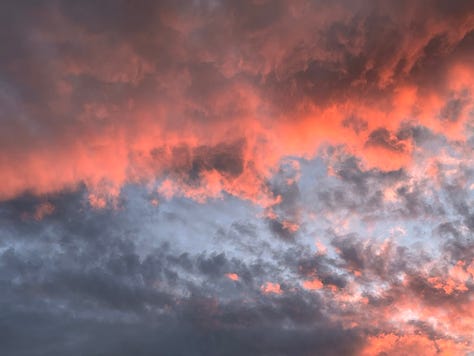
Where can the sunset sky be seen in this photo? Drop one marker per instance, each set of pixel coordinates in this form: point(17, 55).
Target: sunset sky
point(237, 177)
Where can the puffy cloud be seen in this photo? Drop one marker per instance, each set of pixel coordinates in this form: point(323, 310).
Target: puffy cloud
point(252, 177)
point(92, 95)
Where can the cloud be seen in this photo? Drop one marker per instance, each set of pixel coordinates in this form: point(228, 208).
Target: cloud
point(220, 177)
point(90, 275)
point(173, 81)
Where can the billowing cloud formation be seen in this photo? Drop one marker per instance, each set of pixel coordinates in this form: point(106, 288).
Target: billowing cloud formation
point(117, 92)
point(254, 177)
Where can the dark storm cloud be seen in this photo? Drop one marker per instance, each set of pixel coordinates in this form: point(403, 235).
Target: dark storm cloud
point(92, 292)
point(123, 338)
point(77, 274)
point(94, 287)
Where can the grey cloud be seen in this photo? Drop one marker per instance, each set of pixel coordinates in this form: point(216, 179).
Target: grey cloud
point(355, 123)
point(381, 138)
point(188, 164)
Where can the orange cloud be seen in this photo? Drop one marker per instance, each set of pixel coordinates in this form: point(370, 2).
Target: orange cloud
point(392, 344)
point(313, 284)
point(232, 276)
point(270, 287)
point(129, 122)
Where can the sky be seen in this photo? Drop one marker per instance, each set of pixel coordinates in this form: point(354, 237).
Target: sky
point(219, 177)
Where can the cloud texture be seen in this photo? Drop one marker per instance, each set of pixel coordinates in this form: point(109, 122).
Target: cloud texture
point(255, 177)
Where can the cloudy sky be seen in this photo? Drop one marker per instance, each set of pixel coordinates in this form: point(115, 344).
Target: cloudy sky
point(220, 177)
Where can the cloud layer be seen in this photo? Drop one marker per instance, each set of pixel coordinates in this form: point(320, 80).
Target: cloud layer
point(112, 93)
point(254, 177)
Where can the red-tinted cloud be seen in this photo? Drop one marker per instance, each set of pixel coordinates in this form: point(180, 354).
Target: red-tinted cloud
point(92, 102)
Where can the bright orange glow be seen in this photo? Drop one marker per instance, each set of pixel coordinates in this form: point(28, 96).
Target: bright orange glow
point(142, 149)
point(233, 276)
point(269, 288)
point(400, 345)
point(313, 284)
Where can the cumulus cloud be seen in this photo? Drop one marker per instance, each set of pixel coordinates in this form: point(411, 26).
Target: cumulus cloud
point(221, 177)
point(102, 93)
